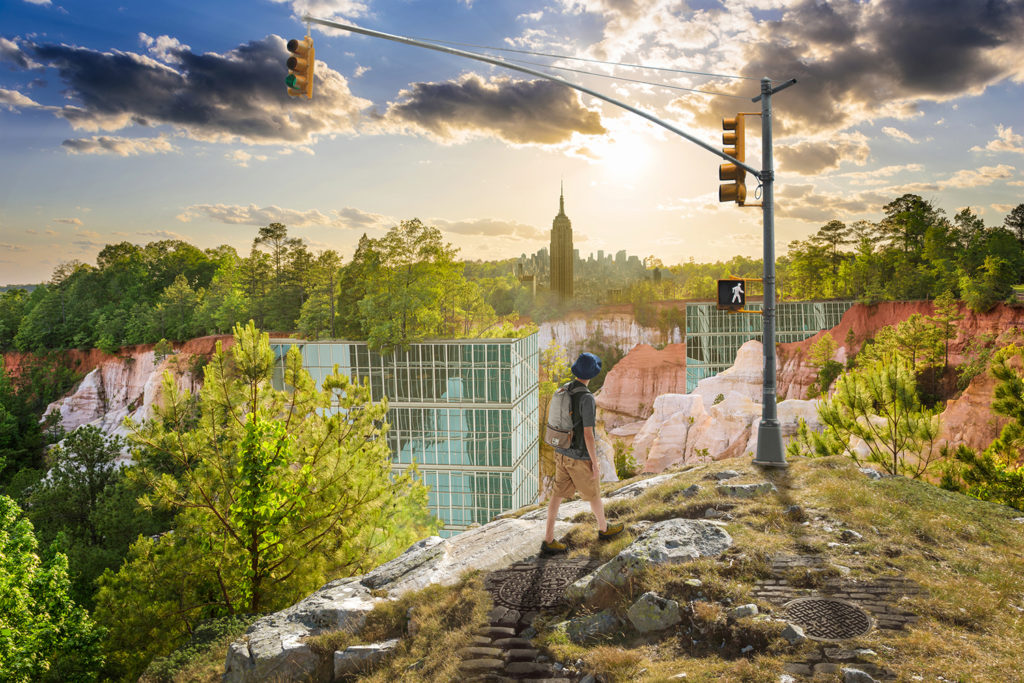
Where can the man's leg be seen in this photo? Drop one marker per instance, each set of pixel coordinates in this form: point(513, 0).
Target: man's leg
point(549, 531)
point(597, 507)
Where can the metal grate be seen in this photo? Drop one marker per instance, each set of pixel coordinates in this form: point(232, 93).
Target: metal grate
point(536, 585)
point(828, 619)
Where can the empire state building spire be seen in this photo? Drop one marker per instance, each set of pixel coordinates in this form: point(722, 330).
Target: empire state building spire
point(561, 252)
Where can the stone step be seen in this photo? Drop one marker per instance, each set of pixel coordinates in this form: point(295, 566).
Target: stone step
point(497, 632)
point(480, 653)
point(512, 643)
point(527, 654)
point(479, 665)
point(481, 641)
point(533, 669)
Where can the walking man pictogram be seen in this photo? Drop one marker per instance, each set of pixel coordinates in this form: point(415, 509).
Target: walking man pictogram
point(737, 293)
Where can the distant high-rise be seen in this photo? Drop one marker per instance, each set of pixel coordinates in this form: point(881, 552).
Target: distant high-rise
point(561, 252)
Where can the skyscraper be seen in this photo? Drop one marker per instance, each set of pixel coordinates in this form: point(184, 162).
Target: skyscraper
point(561, 252)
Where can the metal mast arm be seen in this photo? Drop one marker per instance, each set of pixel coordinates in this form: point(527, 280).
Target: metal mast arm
point(539, 74)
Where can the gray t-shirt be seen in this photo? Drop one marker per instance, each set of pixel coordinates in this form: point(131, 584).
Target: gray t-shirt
point(588, 413)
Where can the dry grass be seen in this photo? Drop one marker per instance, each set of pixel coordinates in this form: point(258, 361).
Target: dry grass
point(444, 618)
point(964, 553)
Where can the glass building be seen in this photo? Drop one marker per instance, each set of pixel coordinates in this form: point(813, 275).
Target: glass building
point(713, 337)
point(465, 411)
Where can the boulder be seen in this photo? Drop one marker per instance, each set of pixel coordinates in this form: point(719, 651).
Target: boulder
point(747, 490)
point(745, 377)
point(653, 613)
point(359, 658)
point(637, 487)
point(592, 627)
point(671, 541)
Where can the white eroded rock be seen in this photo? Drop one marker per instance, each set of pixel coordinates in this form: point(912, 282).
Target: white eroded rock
point(273, 647)
point(746, 376)
point(358, 658)
point(671, 541)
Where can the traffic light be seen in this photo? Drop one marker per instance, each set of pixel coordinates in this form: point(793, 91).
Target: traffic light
point(300, 67)
point(732, 138)
point(731, 295)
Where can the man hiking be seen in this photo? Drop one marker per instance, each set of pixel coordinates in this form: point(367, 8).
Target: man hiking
point(576, 467)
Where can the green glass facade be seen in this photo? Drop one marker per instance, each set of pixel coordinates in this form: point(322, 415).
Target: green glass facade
point(465, 411)
point(713, 337)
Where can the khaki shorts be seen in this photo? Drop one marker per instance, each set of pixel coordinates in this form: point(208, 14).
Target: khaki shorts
point(573, 475)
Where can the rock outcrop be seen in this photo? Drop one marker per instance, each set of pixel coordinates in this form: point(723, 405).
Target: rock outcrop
point(692, 427)
point(616, 327)
point(274, 647)
point(640, 377)
point(120, 387)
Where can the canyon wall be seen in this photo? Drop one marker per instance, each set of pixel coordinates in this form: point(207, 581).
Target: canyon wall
point(640, 377)
point(617, 328)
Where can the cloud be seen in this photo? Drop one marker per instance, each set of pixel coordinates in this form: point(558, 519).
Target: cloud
point(1005, 141)
point(326, 8)
point(210, 97)
point(164, 48)
point(242, 158)
point(162, 235)
point(1016, 183)
point(11, 52)
point(815, 156)
point(517, 111)
point(234, 214)
point(879, 176)
point(489, 227)
point(854, 61)
point(14, 100)
point(69, 221)
point(124, 147)
point(7, 246)
point(898, 134)
point(1002, 208)
point(38, 2)
point(985, 175)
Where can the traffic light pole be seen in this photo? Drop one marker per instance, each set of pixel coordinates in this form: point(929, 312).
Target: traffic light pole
point(769, 435)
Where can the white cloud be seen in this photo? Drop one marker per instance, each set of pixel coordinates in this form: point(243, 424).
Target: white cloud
point(235, 214)
point(242, 158)
point(898, 134)
point(68, 221)
point(985, 175)
point(1005, 141)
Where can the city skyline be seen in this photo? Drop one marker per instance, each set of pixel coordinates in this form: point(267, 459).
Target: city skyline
point(145, 121)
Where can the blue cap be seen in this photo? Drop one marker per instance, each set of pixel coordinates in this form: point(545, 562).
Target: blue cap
point(587, 366)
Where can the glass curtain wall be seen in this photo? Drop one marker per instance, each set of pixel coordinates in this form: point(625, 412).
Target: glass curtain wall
point(465, 411)
point(713, 337)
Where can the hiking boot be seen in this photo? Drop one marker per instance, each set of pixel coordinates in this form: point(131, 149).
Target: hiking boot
point(552, 548)
point(612, 531)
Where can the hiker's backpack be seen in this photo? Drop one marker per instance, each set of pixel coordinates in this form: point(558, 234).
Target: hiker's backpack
point(559, 429)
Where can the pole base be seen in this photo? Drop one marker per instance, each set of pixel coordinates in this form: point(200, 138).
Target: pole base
point(769, 445)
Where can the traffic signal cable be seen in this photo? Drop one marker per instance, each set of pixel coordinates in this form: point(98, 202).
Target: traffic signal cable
point(623, 78)
point(587, 59)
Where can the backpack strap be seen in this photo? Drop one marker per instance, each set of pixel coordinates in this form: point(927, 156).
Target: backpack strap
point(577, 442)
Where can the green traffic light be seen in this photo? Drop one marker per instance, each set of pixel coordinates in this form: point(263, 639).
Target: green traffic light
point(290, 81)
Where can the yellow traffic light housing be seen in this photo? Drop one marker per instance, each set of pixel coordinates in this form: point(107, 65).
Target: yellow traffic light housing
point(733, 139)
point(300, 67)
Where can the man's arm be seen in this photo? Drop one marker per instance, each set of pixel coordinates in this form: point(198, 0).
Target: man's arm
point(588, 439)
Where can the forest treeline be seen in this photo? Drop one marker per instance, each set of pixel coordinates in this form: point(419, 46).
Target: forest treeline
point(409, 284)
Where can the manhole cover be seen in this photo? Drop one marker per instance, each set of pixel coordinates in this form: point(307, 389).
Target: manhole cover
point(828, 618)
point(536, 585)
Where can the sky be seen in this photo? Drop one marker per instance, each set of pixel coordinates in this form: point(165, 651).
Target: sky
point(139, 121)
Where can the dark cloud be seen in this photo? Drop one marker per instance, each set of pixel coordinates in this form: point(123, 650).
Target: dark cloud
point(855, 61)
point(814, 156)
point(238, 95)
point(522, 112)
point(125, 147)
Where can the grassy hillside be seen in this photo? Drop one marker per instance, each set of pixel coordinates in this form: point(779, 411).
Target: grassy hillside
point(959, 564)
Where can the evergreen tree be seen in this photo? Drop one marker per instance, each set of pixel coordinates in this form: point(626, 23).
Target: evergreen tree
point(275, 492)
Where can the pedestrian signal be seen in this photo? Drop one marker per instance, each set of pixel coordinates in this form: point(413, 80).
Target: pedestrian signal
point(300, 67)
point(732, 295)
point(732, 137)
